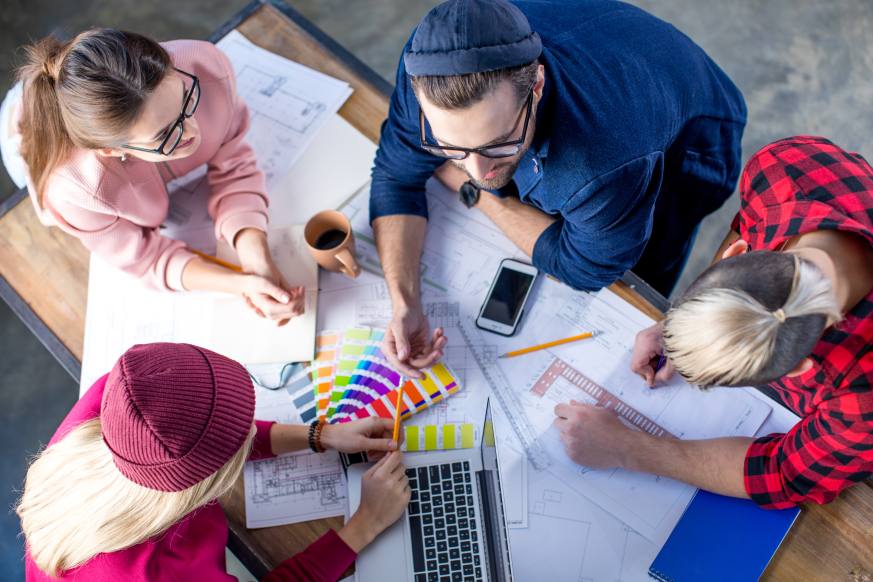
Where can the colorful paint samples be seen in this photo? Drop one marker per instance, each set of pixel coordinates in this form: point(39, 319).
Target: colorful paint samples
point(351, 378)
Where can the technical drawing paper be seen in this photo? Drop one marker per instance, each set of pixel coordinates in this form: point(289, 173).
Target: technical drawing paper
point(288, 103)
point(291, 488)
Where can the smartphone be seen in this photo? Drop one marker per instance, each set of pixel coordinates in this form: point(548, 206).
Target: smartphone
point(504, 305)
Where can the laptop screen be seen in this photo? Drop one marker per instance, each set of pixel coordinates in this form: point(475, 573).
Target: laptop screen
point(494, 521)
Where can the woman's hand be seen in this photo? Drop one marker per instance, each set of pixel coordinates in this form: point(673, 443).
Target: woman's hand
point(372, 435)
point(264, 288)
point(384, 496)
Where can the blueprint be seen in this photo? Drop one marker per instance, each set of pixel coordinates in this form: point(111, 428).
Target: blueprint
point(597, 372)
point(294, 488)
point(570, 538)
point(288, 103)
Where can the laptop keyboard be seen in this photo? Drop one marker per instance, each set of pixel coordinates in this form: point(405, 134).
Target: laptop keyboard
point(442, 521)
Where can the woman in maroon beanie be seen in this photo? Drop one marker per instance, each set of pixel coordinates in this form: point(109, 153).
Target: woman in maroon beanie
point(127, 487)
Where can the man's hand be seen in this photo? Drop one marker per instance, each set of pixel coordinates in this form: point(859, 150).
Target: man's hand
point(593, 436)
point(408, 344)
point(648, 349)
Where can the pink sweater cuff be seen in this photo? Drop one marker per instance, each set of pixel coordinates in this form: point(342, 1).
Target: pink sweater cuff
point(325, 560)
point(175, 265)
point(240, 211)
point(262, 447)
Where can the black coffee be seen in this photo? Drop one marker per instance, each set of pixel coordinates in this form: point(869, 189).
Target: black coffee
point(330, 239)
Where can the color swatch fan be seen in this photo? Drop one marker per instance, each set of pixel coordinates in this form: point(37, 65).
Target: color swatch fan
point(351, 378)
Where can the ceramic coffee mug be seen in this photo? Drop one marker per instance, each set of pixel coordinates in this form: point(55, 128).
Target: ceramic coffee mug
point(329, 237)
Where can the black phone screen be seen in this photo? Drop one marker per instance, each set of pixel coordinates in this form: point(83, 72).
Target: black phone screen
point(507, 296)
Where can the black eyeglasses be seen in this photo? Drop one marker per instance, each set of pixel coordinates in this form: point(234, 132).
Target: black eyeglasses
point(173, 136)
point(498, 150)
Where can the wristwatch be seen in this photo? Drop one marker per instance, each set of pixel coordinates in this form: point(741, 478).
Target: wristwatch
point(469, 194)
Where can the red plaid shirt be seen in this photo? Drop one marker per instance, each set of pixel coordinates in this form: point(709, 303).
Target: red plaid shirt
point(791, 187)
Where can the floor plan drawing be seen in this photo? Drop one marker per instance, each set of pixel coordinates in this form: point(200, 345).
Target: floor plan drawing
point(294, 488)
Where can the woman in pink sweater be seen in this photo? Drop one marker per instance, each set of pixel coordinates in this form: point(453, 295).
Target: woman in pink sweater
point(127, 487)
point(108, 119)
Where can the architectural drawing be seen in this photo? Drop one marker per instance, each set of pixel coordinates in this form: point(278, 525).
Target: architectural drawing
point(289, 477)
point(294, 488)
point(287, 103)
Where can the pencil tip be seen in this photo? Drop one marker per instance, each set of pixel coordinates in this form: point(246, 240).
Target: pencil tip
point(501, 356)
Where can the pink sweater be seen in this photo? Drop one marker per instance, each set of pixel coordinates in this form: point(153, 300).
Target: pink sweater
point(115, 207)
point(192, 549)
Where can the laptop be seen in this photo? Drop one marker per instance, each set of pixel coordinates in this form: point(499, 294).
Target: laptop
point(453, 529)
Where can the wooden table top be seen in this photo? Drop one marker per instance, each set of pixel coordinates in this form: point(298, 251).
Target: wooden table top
point(45, 279)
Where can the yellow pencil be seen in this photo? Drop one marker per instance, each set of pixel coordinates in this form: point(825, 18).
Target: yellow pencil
point(544, 346)
point(397, 411)
point(217, 261)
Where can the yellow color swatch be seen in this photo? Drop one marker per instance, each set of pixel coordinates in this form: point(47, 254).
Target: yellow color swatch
point(412, 438)
point(430, 437)
point(443, 374)
point(467, 436)
point(449, 432)
point(358, 334)
point(428, 385)
point(353, 350)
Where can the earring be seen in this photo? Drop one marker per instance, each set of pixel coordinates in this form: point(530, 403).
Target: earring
point(123, 157)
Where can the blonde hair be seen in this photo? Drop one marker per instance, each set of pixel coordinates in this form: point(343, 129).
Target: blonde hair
point(749, 320)
point(77, 504)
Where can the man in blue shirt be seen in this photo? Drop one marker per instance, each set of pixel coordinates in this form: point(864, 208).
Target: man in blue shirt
point(594, 135)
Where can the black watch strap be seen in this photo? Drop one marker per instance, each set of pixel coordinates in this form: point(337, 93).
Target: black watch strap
point(469, 194)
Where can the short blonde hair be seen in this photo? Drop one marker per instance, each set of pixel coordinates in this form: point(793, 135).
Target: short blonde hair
point(77, 504)
point(749, 319)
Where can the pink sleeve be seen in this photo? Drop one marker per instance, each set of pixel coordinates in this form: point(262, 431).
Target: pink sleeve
point(157, 260)
point(325, 560)
point(87, 407)
point(238, 196)
point(261, 447)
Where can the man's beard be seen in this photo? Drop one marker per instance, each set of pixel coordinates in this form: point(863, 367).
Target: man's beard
point(504, 176)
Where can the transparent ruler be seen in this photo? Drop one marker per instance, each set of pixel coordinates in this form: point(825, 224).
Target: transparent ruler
point(503, 393)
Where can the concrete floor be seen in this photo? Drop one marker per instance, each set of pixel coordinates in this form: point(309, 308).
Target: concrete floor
point(805, 67)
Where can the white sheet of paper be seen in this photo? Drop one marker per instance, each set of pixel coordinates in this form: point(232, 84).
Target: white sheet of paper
point(250, 339)
point(294, 488)
point(334, 166)
point(568, 536)
point(288, 103)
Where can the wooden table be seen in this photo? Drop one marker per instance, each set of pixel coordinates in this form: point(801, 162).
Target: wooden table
point(45, 274)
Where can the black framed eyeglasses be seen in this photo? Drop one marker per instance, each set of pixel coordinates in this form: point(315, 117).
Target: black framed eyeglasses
point(170, 141)
point(498, 150)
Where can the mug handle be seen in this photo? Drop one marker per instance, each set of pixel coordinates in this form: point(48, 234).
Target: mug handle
point(350, 267)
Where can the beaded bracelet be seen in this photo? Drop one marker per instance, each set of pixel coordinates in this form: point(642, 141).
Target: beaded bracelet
point(311, 438)
point(314, 438)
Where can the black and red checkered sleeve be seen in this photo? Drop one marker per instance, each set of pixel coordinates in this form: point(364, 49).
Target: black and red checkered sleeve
point(822, 455)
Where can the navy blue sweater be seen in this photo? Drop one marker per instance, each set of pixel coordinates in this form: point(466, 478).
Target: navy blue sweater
point(632, 111)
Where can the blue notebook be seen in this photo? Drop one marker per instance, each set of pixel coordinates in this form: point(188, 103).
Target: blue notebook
point(722, 539)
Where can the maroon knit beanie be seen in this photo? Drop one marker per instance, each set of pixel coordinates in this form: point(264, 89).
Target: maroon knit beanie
point(173, 414)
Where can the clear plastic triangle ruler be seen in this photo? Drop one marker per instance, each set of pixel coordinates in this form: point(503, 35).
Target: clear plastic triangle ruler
point(502, 391)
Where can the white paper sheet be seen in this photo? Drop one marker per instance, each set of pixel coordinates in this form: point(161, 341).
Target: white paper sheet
point(570, 537)
point(288, 103)
point(254, 340)
point(294, 488)
point(334, 166)
point(121, 313)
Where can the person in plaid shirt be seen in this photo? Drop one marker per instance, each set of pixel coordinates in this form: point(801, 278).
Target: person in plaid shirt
point(789, 309)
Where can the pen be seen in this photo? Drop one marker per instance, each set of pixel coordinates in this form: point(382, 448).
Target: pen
point(662, 359)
